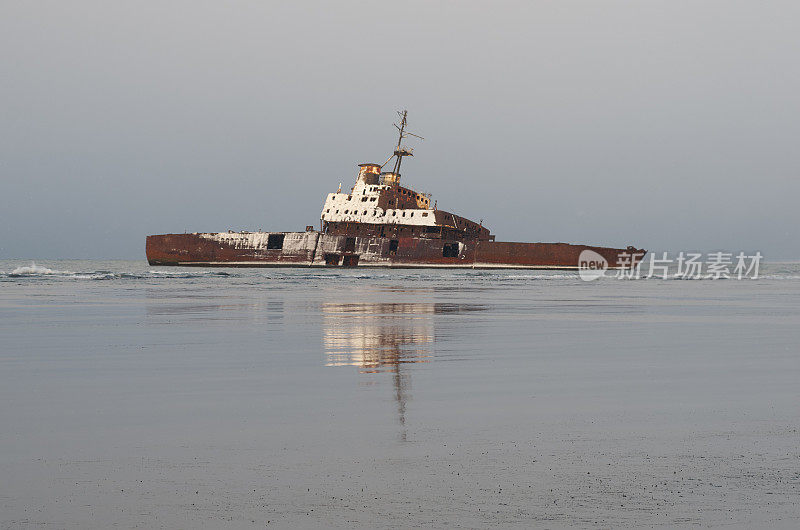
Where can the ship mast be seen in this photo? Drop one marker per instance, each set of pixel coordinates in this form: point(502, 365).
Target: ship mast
point(400, 151)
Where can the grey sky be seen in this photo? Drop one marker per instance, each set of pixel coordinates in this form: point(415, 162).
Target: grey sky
point(667, 125)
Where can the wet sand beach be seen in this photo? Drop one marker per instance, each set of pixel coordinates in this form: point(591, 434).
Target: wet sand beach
point(186, 398)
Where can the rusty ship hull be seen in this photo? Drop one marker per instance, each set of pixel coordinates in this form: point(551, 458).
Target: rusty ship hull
point(316, 249)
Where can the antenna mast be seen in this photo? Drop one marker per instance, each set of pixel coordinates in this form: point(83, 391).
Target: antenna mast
point(400, 151)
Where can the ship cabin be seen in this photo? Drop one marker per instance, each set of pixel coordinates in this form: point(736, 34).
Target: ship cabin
point(378, 206)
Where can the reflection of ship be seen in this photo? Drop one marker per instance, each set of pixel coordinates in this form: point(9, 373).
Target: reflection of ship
point(380, 338)
point(377, 337)
point(378, 223)
point(385, 337)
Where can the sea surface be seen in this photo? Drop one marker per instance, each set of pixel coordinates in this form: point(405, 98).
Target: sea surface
point(138, 397)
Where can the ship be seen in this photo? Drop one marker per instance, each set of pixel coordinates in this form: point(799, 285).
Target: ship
point(379, 223)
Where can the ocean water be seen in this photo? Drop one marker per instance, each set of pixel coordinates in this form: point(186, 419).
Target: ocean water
point(146, 397)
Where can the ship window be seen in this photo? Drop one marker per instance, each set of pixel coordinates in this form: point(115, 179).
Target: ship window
point(275, 241)
point(394, 213)
point(412, 214)
point(404, 214)
point(450, 250)
point(345, 211)
point(365, 212)
point(363, 199)
point(393, 244)
point(337, 211)
point(328, 210)
point(424, 214)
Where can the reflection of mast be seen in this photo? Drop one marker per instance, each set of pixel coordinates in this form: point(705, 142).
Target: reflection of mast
point(400, 396)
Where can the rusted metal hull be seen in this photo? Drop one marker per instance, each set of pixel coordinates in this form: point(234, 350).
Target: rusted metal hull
point(315, 249)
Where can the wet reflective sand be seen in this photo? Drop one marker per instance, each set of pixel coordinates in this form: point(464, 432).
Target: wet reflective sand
point(257, 398)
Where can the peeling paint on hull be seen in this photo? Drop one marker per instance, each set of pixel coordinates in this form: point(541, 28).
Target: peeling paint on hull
point(314, 249)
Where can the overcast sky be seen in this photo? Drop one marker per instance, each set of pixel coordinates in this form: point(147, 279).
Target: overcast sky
point(665, 125)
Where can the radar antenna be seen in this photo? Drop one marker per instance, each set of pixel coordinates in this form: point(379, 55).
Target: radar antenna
point(400, 151)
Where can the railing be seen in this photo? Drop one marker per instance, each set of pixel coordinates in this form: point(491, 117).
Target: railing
point(404, 151)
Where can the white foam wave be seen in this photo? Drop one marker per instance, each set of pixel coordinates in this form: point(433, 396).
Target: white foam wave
point(573, 276)
point(187, 274)
point(34, 270)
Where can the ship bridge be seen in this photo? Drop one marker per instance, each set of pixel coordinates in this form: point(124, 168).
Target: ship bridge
point(378, 205)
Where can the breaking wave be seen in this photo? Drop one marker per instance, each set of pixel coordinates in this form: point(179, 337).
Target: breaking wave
point(552, 276)
point(34, 271)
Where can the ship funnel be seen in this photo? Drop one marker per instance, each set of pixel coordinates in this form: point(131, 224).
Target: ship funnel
point(369, 173)
point(390, 179)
